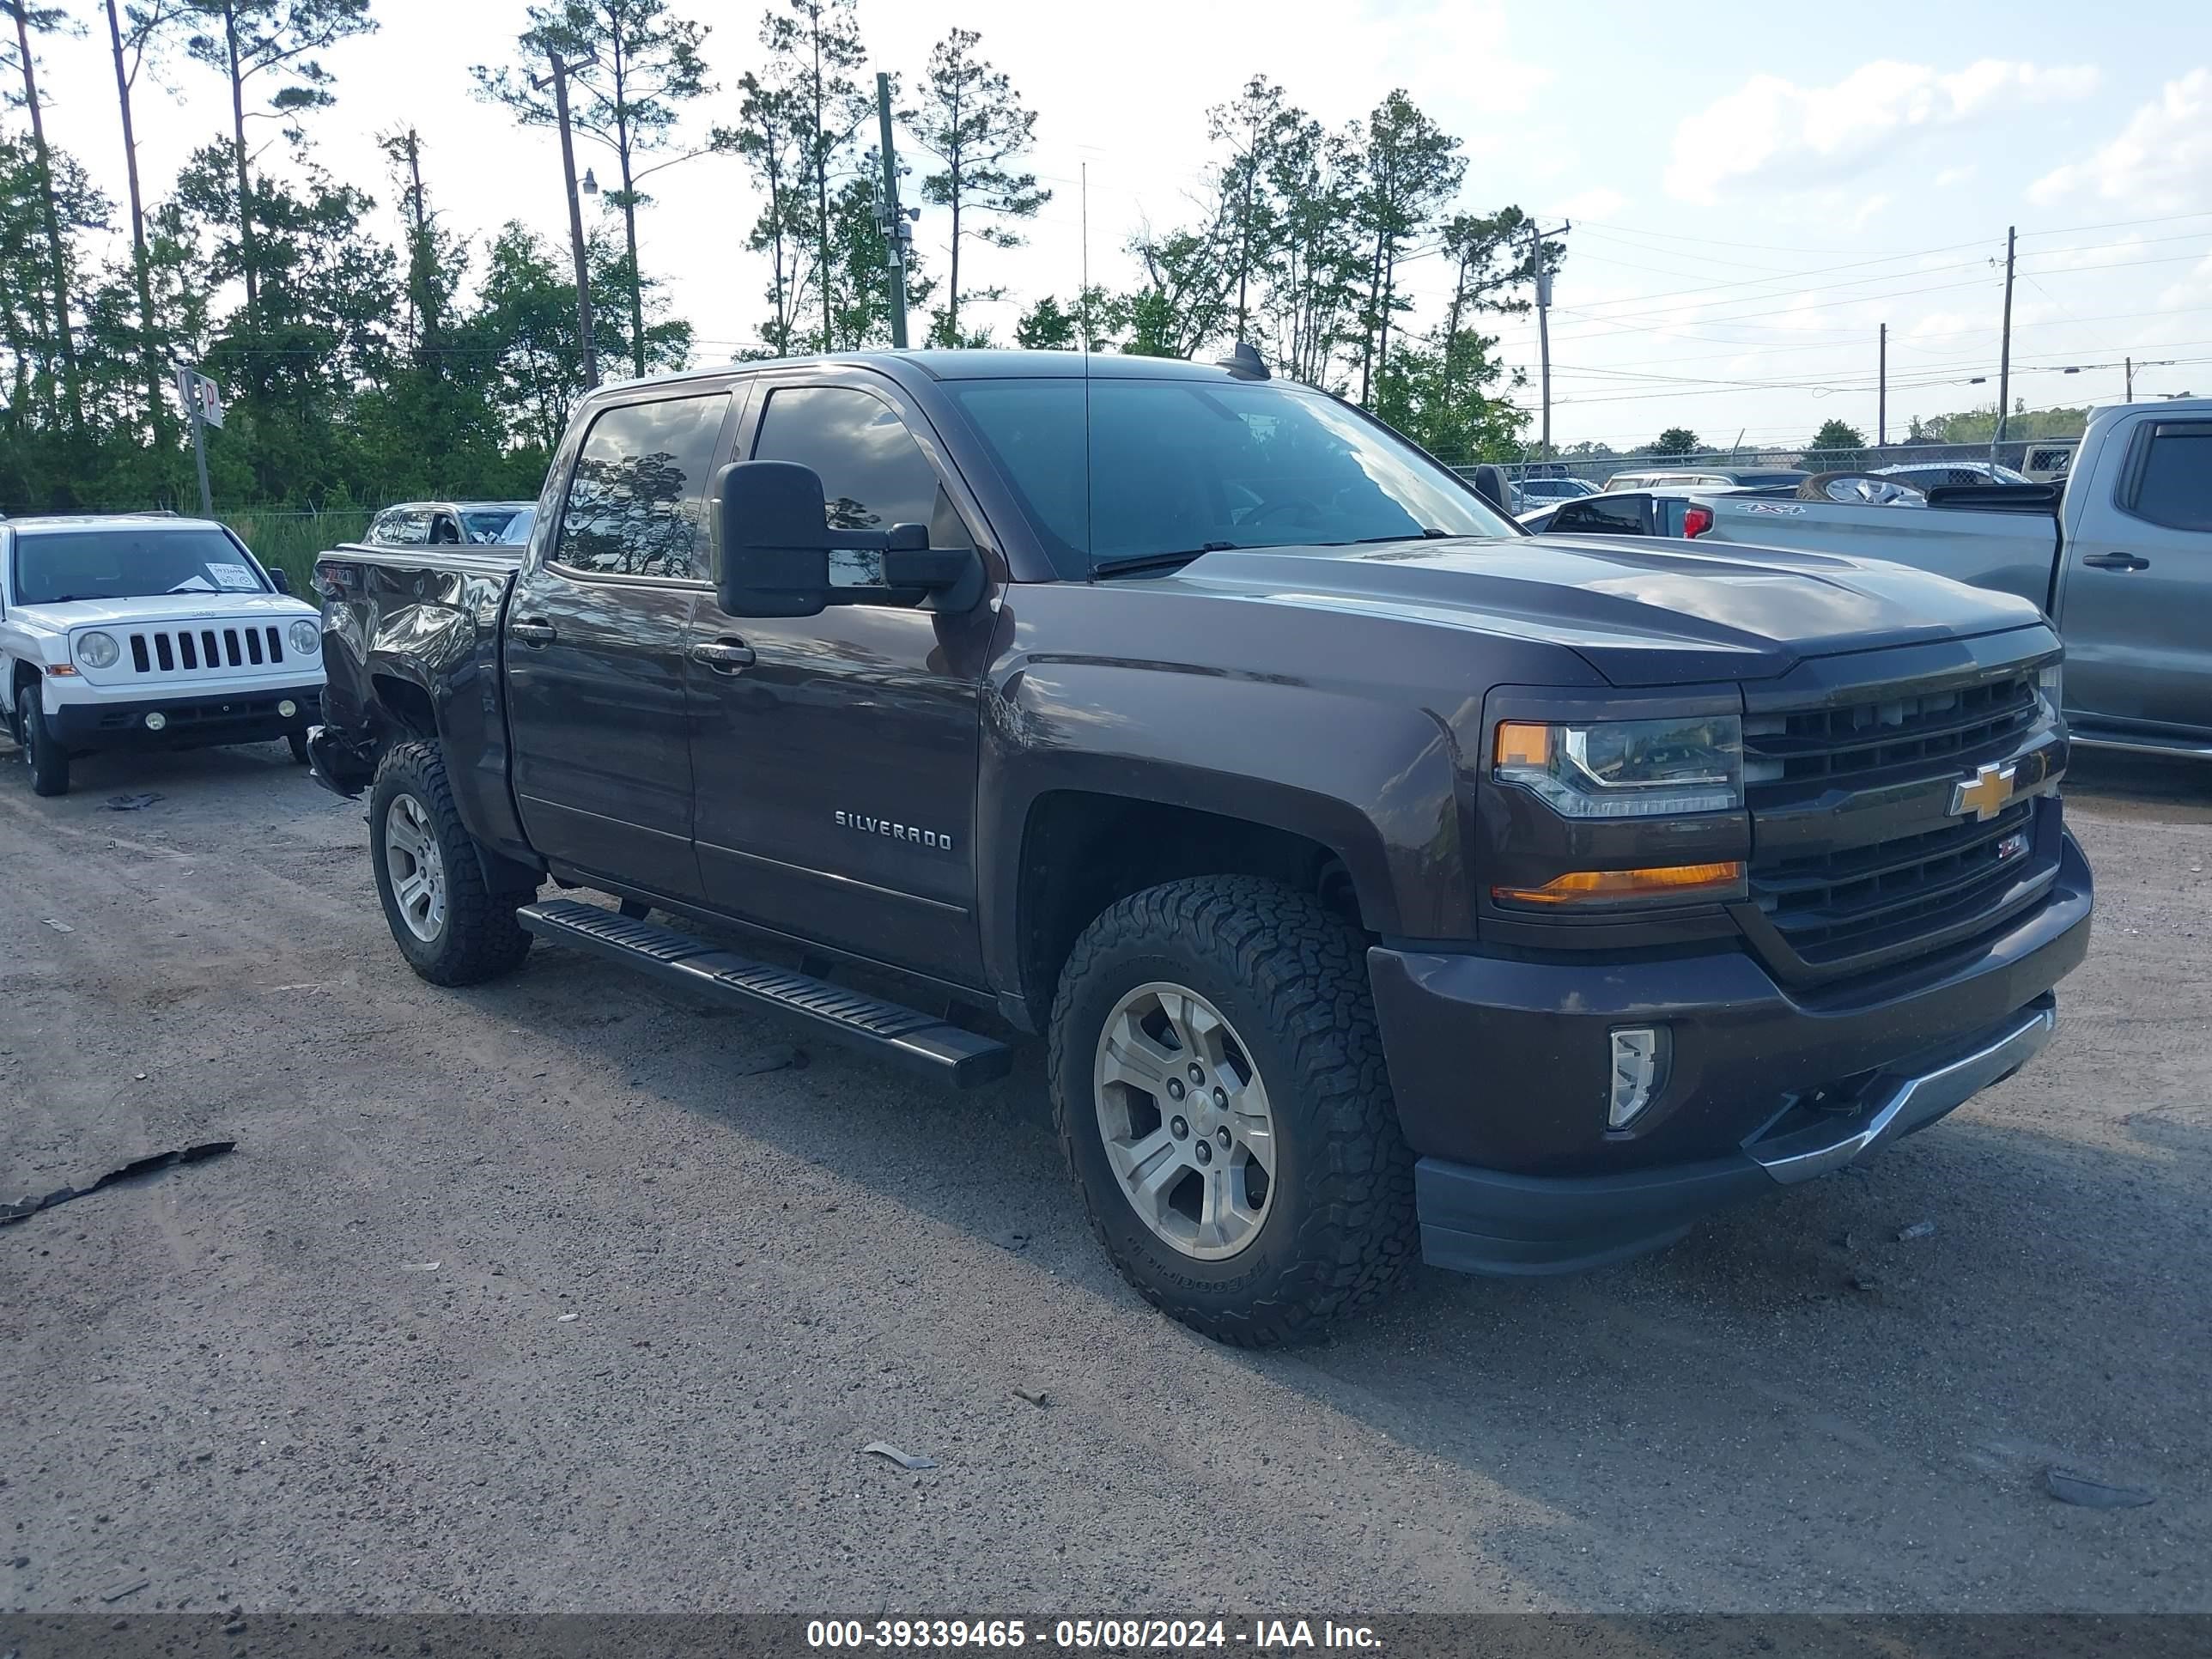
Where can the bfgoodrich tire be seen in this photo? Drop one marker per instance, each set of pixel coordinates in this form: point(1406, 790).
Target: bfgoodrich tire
point(452, 926)
point(1219, 1087)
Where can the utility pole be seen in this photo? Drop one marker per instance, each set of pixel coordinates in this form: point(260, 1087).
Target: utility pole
point(1543, 275)
point(897, 229)
point(2131, 379)
point(2004, 354)
point(1882, 398)
point(189, 381)
point(559, 81)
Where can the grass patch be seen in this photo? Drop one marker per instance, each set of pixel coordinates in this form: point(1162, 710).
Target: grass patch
point(289, 539)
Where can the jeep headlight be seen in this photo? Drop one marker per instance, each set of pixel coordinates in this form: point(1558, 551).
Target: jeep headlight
point(306, 637)
point(1626, 768)
point(97, 650)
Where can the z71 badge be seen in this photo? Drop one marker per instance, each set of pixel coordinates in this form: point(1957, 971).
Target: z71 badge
point(869, 825)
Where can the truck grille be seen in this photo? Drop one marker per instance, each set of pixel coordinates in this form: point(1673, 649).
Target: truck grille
point(1834, 899)
point(1837, 745)
point(202, 650)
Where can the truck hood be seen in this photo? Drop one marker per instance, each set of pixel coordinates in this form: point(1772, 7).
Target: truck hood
point(164, 608)
point(1640, 612)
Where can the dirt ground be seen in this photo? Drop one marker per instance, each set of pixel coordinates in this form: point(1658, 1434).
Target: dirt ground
point(545, 1295)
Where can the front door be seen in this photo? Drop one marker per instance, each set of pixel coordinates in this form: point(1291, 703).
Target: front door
point(2138, 591)
point(595, 642)
point(836, 765)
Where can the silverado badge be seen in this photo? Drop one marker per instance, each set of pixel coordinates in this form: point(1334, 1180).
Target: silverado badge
point(1986, 794)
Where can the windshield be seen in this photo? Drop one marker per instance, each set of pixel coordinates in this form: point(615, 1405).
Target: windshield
point(517, 532)
point(1114, 471)
point(55, 566)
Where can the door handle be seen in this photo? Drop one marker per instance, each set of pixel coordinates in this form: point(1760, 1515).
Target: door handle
point(2116, 562)
point(530, 631)
point(724, 656)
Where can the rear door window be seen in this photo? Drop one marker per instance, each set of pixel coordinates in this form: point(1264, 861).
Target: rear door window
point(2173, 486)
point(637, 503)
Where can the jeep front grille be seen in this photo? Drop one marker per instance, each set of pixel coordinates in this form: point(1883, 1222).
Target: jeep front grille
point(203, 650)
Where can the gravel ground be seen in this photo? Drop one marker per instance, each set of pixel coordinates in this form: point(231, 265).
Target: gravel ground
point(545, 1296)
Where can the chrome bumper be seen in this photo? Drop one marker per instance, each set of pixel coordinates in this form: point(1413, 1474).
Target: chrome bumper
point(1902, 1104)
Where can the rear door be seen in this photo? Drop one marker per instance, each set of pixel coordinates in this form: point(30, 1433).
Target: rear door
point(836, 754)
point(2136, 598)
point(595, 641)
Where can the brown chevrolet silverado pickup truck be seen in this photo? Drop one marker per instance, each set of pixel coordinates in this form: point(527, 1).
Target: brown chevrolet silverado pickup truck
point(1388, 883)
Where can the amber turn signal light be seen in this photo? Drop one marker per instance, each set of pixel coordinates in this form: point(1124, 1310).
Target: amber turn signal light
point(1523, 742)
point(1683, 881)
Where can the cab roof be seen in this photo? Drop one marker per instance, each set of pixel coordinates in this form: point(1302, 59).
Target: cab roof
point(988, 364)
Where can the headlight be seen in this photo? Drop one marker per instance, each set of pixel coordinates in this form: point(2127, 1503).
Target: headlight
point(1627, 768)
point(306, 637)
point(2050, 685)
point(97, 650)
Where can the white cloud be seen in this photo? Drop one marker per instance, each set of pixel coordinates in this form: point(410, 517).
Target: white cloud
point(1600, 202)
point(1770, 128)
point(2192, 290)
point(2162, 162)
point(1951, 176)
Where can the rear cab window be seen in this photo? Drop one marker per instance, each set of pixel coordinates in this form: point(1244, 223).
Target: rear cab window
point(2171, 480)
point(637, 498)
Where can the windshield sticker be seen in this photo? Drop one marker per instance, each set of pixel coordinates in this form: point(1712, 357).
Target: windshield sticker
point(1772, 506)
point(234, 578)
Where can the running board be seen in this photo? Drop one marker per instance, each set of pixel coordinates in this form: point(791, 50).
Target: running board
point(922, 1043)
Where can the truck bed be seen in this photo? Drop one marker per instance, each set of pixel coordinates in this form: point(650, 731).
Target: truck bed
point(2011, 549)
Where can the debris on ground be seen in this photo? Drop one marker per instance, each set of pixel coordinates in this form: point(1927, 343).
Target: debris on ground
point(59, 926)
point(130, 802)
point(115, 1593)
point(565, 1319)
point(131, 1171)
point(1918, 1230)
point(905, 1459)
point(2094, 1494)
point(418, 1267)
point(1864, 1282)
point(1015, 1243)
point(1034, 1396)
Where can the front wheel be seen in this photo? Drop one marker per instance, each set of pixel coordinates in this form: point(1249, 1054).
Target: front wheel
point(49, 763)
point(298, 742)
point(1219, 1083)
point(452, 926)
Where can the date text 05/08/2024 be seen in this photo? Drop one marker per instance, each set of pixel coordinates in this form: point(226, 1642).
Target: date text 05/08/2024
point(1091, 1635)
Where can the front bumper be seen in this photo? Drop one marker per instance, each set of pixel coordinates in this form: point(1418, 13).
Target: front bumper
point(198, 722)
point(1500, 1068)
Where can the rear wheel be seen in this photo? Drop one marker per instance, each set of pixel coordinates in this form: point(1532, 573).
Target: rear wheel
point(49, 763)
point(1219, 1087)
point(452, 924)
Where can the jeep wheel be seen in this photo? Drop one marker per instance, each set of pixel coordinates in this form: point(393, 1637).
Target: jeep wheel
point(48, 761)
point(449, 923)
point(1219, 1084)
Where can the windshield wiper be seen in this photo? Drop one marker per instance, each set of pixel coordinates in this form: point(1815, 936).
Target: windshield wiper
point(1149, 561)
point(1425, 533)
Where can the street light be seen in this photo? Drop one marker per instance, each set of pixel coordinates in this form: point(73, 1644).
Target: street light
point(591, 185)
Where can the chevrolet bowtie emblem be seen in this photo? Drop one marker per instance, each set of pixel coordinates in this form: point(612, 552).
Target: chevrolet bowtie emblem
point(1988, 793)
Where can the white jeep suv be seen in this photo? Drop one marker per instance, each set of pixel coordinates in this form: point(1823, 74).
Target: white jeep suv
point(148, 631)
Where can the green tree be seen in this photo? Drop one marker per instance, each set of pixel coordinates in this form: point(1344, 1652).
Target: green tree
point(772, 139)
point(971, 120)
point(1412, 167)
point(1836, 446)
point(526, 322)
point(1253, 126)
point(1184, 296)
point(273, 41)
point(27, 17)
point(1674, 440)
point(631, 66)
point(814, 48)
point(135, 33)
point(1315, 264)
point(1045, 327)
point(858, 268)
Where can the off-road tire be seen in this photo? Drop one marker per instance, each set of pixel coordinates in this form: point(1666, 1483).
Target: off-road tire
point(47, 761)
point(1291, 978)
point(480, 938)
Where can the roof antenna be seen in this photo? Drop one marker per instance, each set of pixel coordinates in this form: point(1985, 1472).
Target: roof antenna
point(1244, 364)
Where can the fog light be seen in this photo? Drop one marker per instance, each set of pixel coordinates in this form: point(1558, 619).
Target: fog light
point(157, 721)
point(1639, 1069)
point(288, 709)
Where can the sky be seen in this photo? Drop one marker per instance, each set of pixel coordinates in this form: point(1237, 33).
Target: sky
point(1752, 191)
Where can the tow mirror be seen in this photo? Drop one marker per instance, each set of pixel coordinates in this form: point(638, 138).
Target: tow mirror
point(777, 554)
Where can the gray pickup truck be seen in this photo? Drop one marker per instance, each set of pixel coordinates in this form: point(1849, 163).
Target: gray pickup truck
point(2121, 560)
point(1385, 882)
